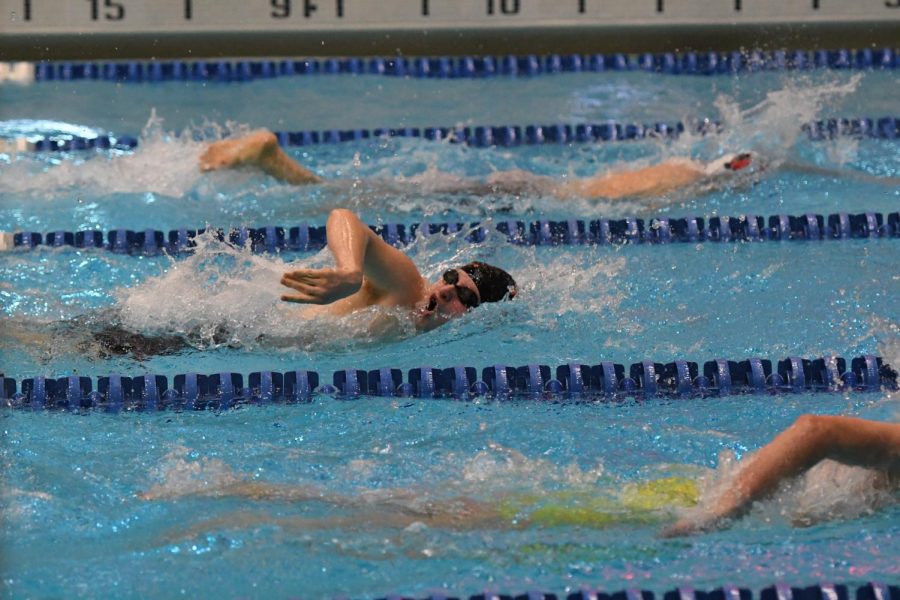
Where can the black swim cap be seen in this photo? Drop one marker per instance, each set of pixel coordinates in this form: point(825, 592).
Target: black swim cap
point(493, 283)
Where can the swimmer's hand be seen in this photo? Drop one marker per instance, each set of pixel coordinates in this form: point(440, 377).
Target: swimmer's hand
point(694, 525)
point(320, 286)
point(680, 528)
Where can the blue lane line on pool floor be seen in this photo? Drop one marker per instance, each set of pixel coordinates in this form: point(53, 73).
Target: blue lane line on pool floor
point(575, 381)
point(484, 136)
point(572, 232)
point(463, 67)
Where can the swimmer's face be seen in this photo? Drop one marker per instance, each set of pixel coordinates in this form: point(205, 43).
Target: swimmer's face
point(454, 294)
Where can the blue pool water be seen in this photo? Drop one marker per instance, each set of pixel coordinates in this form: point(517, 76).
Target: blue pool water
point(73, 522)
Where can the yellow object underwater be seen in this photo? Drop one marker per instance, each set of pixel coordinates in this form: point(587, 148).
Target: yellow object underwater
point(636, 503)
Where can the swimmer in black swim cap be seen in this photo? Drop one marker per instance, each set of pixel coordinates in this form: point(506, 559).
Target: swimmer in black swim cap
point(370, 272)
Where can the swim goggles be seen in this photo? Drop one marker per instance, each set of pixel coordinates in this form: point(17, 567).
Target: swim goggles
point(466, 296)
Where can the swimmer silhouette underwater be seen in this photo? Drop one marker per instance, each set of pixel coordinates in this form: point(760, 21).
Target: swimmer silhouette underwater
point(809, 441)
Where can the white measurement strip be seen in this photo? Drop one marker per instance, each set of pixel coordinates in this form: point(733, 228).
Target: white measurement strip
point(119, 16)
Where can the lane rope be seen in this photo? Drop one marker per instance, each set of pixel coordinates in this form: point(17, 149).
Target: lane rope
point(779, 591)
point(572, 232)
point(450, 67)
point(575, 381)
point(483, 136)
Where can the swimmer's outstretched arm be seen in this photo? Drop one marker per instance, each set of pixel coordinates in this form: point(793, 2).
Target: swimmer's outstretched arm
point(810, 440)
point(852, 174)
point(259, 149)
point(655, 180)
point(366, 266)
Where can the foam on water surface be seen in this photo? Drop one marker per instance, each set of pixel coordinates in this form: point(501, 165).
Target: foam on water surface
point(118, 499)
point(404, 176)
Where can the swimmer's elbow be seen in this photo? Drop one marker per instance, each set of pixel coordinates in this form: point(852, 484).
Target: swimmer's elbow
point(342, 214)
point(342, 218)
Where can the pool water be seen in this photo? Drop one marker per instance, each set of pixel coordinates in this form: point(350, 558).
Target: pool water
point(74, 523)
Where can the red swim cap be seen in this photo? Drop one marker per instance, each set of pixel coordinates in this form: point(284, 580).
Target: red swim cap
point(741, 161)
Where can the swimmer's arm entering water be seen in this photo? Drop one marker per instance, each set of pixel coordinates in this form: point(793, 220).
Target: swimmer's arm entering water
point(654, 180)
point(368, 270)
point(852, 174)
point(259, 149)
point(810, 440)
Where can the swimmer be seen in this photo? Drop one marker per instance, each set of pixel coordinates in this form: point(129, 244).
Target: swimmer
point(809, 441)
point(371, 272)
point(368, 272)
point(260, 150)
point(645, 503)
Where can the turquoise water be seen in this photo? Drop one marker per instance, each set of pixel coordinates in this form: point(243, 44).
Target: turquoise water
point(72, 523)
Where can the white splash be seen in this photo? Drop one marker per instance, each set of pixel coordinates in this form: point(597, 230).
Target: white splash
point(505, 468)
point(163, 163)
point(178, 475)
point(224, 291)
point(828, 491)
point(772, 126)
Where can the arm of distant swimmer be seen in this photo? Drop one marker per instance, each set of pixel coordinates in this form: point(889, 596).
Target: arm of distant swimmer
point(260, 149)
point(358, 253)
point(279, 165)
point(811, 169)
point(811, 439)
point(652, 181)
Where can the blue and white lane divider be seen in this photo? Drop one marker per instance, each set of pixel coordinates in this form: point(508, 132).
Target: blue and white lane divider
point(462, 67)
point(606, 380)
point(483, 136)
point(780, 591)
point(822, 591)
point(573, 232)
